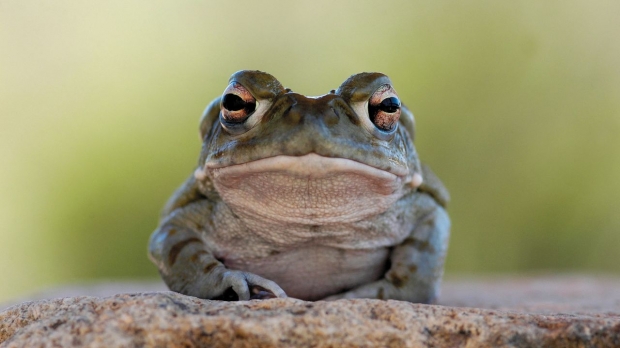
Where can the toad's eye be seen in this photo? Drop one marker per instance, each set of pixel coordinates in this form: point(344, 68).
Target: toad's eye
point(384, 108)
point(237, 103)
point(389, 105)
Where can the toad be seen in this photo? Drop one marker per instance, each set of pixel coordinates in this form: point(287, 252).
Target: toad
point(309, 197)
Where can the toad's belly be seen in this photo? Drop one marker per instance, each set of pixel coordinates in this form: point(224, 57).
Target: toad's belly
point(316, 272)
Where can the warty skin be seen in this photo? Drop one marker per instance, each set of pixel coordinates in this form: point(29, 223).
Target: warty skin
point(308, 197)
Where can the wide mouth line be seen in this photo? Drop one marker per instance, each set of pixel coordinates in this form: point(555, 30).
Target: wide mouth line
point(311, 164)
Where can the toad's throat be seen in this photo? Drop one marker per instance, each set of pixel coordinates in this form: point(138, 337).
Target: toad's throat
point(308, 189)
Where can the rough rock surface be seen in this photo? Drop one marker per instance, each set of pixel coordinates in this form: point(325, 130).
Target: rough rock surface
point(562, 312)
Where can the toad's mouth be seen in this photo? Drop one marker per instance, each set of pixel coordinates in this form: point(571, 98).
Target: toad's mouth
point(308, 189)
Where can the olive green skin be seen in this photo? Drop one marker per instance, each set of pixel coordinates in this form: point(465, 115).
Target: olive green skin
point(297, 125)
point(194, 248)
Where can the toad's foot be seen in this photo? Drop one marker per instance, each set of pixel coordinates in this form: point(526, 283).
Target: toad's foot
point(383, 290)
point(245, 286)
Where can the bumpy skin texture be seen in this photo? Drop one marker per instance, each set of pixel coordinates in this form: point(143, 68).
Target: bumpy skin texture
point(305, 197)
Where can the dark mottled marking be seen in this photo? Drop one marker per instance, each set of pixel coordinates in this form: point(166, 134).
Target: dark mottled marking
point(421, 245)
point(172, 232)
point(399, 280)
point(409, 242)
point(274, 252)
point(425, 246)
point(292, 118)
point(413, 268)
point(197, 255)
point(176, 249)
point(209, 267)
point(380, 294)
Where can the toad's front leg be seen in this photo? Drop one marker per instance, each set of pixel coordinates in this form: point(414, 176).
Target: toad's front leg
point(416, 264)
point(187, 267)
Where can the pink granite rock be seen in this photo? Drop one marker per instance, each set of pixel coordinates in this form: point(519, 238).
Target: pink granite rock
point(166, 319)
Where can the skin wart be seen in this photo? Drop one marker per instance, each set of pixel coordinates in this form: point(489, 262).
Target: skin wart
point(308, 197)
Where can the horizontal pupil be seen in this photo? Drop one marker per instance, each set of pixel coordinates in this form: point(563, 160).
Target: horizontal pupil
point(389, 105)
point(233, 102)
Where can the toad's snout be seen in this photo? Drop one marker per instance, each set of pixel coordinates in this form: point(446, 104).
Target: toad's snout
point(326, 111)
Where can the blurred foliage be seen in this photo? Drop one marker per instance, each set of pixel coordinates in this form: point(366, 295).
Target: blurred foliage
point(517, 106)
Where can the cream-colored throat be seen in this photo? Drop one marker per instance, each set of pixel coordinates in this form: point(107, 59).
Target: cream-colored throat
point(308, 189)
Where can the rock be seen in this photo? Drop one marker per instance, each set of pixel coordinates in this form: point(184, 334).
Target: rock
point(546, 294)
point(166, 319)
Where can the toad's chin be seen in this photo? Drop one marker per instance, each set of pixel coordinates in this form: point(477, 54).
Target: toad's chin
point(308, 189)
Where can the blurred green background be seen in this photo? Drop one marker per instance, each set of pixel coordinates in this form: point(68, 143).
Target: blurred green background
point(517, 105)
